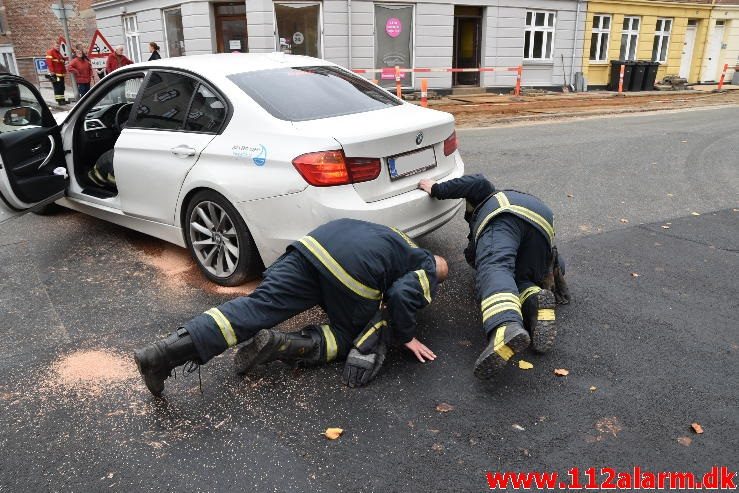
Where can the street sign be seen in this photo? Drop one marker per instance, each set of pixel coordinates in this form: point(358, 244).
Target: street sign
point(64, 48)
point(41, 67)
point(67, 12)
point(99, 50)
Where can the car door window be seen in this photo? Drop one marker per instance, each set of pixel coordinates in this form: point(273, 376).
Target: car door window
point(24, 110)
point(164, 101)
point(207, 112)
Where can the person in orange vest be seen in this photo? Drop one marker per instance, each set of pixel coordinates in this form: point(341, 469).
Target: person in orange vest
point(57, 70)
point(116, 60)
point(81, 67)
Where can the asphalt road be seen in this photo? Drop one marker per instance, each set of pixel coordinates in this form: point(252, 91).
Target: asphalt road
point(648, 355)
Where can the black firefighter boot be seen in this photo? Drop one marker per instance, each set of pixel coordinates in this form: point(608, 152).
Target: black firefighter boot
point(156, 361)
point(271, 345)
point(505, 341)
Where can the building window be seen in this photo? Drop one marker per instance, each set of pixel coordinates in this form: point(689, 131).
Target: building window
point(299, 28)
point(173, 33)
point(661, 40)
point(600, 37)
point(394, 42)
point(131, 33)
point(539, 35)
point(7, 59)
point(629, 38)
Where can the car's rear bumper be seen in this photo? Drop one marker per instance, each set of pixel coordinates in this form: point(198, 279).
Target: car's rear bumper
point(278, 221)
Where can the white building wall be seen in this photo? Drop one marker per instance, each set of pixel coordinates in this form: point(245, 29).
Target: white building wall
point(363, 35)
point(335, 32)
point(434, 42)
point(198, 28)
point(260, 26)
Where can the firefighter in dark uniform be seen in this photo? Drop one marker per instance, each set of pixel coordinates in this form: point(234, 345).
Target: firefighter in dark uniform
point(57, 71)
point(369, 279)
point(511, 246)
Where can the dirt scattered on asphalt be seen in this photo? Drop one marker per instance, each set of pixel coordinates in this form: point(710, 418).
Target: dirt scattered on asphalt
point(90, 371)
point(608, 427)
point(177, 269)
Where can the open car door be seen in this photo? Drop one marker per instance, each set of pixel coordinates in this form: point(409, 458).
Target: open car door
point(30, 150)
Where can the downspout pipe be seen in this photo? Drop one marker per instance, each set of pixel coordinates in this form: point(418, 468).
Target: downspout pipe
point(349, 31)
point(574, 45)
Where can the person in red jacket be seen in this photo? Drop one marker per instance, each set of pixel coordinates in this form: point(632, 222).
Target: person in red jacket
point(116, 60)
point(81, 67)
point(57, 70)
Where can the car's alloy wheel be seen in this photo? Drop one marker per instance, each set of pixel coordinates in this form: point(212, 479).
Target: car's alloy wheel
point(219, 240)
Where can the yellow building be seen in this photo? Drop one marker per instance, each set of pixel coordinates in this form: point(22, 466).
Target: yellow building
point(722, 39)
point(671, 33)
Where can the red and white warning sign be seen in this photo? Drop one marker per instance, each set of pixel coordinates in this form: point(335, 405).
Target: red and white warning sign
point(99, 50)
point(64, 48)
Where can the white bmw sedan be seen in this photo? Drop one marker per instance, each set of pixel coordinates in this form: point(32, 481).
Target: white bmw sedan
point(232, 156)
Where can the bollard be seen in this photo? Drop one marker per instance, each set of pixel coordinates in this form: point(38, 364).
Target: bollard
point(519, 71)
point(621, 79)
point(424, 92)
point(398, 90)
point(723, 76)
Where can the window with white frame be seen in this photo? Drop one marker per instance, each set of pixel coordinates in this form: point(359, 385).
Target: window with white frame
point(131, 32)
point(600, 38)
point(539, 35)
point(629, 38)
point(661, 40)
point(7, 58)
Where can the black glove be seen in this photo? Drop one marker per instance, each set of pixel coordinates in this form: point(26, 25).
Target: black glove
point(360, 369)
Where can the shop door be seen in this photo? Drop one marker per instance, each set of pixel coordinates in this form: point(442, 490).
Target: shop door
point(299, 28)
point(467, 45)
point(714, 52)
point(687, 55)
point(231, 36)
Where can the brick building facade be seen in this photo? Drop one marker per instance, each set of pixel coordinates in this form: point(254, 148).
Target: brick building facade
point(33, 27)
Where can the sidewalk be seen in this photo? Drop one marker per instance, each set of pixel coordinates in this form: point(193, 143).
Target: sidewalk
point(489, 108)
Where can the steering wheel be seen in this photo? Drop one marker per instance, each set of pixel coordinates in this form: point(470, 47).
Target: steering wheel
point(119, 122)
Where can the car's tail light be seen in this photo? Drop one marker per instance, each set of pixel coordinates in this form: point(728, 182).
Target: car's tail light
point(330, 168)
point(450, 144)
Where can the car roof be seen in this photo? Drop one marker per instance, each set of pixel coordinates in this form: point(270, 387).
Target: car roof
point(224, 64)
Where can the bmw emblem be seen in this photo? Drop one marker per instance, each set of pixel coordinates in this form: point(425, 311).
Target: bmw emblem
point(419, 138)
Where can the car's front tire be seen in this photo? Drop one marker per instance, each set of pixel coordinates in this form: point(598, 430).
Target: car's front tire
point(219, 240)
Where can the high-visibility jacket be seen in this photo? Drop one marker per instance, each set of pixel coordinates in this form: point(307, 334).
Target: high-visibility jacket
point(373, 262)
point(55, 62)
point(484, 203)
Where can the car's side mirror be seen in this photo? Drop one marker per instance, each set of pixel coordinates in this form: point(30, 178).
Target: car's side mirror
point(22, 116)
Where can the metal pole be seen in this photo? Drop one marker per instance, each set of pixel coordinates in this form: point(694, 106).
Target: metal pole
point(63, 17)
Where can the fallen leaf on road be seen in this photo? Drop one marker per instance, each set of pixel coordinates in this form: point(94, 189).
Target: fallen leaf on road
point(333, 433)
point(669, 195)
point(634, 274)
point(570, 195)
point(697, 428)
point(444, 407)
point(518, 427)
point(685, 441)
point(593, 388)
point(664, 226)
point(465, 343)
point(684, 141)
point(437, 447)
point(609, 426)
point(695, 214)
point(624, 220)
point(561, 372)
point(524, 365)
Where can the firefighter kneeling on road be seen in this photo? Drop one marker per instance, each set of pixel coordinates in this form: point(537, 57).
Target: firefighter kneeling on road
point(511, 246)
point(352, 269)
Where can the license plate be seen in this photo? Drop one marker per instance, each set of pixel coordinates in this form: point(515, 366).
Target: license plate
point(411, 163)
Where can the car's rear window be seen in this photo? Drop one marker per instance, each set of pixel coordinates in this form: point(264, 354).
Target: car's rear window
point(309, 93)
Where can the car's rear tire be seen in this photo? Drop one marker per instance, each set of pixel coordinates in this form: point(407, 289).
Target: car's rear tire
point(219, 240)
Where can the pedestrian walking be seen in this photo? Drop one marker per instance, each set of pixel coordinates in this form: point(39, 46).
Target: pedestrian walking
point(369, 279)
point(511, 246)
point(154, 50)
point(57, 71)
point(81, 67)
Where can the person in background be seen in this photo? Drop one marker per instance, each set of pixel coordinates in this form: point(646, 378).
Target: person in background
point(116, 60)
point(154, 50)
point(81, 67)
point(57, 70)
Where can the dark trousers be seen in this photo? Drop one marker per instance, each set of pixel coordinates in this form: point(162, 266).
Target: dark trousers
point(291, 286)
point(512, 257)
point(58, 83)
point(83, 87)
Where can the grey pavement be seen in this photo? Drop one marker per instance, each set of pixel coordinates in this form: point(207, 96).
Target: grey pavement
point(659, 349)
